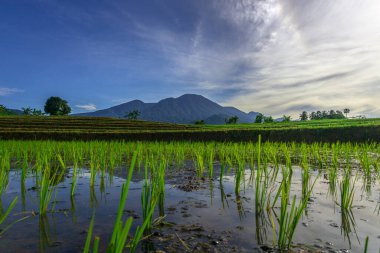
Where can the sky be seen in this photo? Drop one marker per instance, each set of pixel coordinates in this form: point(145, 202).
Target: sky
point(272, 56)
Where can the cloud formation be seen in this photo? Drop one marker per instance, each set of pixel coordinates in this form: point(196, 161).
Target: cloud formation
point(278, 56)
point(88, 107)
point(272, 56)
point(4, 91)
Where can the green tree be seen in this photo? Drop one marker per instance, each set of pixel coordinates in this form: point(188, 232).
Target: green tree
point(26, 111)
point(303, 116)
point(199, 122)
point(286, 118)
point(232, 120)
point(268, 119)
point(31, 111)
point(133, 115)
point(318, 115)
point(346, 111)
point(5, 111)
point(37, 112)
point(259, 118)
point(57, 106)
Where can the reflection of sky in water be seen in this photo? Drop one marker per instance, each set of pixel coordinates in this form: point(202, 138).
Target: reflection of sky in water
point(65, 229)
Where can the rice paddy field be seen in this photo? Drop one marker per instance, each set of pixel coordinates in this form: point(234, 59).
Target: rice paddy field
point(179, 196)
point(94, 128)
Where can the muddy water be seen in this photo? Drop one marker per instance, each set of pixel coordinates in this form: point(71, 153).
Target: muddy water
point(201, 215)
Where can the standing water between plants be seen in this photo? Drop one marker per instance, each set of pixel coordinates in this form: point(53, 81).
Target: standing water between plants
point(195, 197)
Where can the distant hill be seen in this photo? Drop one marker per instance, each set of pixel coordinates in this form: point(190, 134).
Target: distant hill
point(15, 111)
point(6, 111)
point(185, 109)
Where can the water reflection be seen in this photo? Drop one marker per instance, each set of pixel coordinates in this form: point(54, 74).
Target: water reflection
point(46, 231)
point(93, 198)
point(259, 224)
point(223, 196)
point(348, 225)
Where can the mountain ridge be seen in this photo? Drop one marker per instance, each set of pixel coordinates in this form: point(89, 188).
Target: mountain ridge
point(185, 109)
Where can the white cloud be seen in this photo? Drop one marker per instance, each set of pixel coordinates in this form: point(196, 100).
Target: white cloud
point(9, 91)
point(88, 107)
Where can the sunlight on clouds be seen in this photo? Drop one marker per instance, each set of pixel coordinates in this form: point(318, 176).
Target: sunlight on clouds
point(323, 40)
point(274, 56)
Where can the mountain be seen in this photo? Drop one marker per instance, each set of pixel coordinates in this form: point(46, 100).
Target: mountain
point(119, 111)
point(185, 109)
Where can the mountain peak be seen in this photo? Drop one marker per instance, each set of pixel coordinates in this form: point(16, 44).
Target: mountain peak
point(189, 95)
point(187, 108)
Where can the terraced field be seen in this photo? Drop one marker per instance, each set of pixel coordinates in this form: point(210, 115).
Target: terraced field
point(91, 128)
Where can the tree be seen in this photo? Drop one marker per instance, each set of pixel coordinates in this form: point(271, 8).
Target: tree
point(286, 118)
point(26, 111)
point(133, 115)
point(268, 119)
point(57, 106)
point(303, 116)
point(199, 122)
point(259, 118)
point(346, 111)
point(318, 115)
point(31, 111)
point(232, 120)
point(37, 112)
point(5, 111)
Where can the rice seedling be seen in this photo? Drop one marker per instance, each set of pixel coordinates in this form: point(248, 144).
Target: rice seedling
point(46, 186)
point(120, 233)
point(199, 162)
point(4, 215)
point(74, 180)
point(45, 191)
point(305, 175)
point(211, 163)
point(148, 199)
point(94, 164)
point(239, 176)
point(347, 191)
point(160, 177)
point(288, 219)
point(261, 185)
point(366, 244)
point(4, 171)
point(265, 160)
point(89, 237)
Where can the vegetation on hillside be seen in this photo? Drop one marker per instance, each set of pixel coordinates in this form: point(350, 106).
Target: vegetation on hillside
point(5, 111)
point(133, 115)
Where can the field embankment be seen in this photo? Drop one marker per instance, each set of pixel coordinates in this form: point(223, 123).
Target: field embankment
point(90, 128)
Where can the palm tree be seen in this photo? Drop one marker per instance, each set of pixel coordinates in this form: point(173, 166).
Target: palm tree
point(346, 111)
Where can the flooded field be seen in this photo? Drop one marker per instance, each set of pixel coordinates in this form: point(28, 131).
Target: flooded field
point(190, 197)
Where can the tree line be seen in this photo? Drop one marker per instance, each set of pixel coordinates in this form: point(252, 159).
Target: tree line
point(54, 106)
point(318, 115)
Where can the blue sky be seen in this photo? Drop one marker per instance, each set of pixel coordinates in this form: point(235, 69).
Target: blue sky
point(272, 56)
